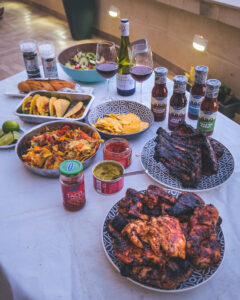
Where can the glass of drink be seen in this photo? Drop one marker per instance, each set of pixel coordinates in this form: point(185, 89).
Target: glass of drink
point(29, 50)
point(47, 52)
point(106, 62)
point(142, 64)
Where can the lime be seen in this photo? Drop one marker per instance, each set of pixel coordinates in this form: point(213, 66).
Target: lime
point(6, 139)
point(16, 135)
point(8, 126)
point(1, 133)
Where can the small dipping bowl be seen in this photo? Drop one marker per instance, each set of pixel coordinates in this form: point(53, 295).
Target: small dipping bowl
point(108, 177)
point(118, 149)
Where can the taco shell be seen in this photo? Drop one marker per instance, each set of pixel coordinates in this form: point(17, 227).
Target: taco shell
point(74, 112)
point(33, 107)
point(42, 104)
point(52, 109)
point(26, 105)
point(61, 105)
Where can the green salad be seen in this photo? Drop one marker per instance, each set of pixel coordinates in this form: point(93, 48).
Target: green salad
point(82, 61)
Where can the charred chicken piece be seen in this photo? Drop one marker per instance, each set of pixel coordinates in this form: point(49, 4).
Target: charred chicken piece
point(173, 241)
point(186, 204)
point(119, 222)
point(135, 230)
point(154, 194)
point(131, 205)
point(169, 277)
point(202, 244)
point(208, 254)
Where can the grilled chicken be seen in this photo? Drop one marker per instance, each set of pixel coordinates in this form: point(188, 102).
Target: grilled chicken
point(173, 241)
point(131, 205)
point(202, 244)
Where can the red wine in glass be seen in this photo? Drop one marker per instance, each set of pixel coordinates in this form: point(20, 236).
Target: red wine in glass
point(140, 73)
point(107, 69)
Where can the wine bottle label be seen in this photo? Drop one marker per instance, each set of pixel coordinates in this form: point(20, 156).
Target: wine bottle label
point(176, 115)
point(194, 104)
point(125, 29)
point(206, 121)
point(50, 67)
point(125, 82)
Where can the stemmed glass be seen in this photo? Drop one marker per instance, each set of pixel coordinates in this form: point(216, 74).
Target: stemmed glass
point(106, 62)
point(142, 64)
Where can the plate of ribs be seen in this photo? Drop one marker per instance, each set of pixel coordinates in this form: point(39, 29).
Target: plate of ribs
point(187, 160)
point(164, 240)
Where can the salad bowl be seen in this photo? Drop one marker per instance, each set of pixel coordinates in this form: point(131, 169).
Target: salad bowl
point(83, 75)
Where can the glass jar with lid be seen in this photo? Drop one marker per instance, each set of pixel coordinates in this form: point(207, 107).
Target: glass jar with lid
point(72, 184)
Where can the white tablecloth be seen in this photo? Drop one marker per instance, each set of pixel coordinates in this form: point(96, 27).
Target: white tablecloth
point(49, 253)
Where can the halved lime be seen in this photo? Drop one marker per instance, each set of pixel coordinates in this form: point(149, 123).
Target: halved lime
point(8, 126)
point(16, 135)
point(7, 139)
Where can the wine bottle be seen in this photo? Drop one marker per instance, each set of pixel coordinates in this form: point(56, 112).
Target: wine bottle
point(125, 83)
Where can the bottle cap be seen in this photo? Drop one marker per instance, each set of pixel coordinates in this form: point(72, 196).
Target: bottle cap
point(160, 75)
point(161, 71)
point(70, 167)
point(124, 20)
point(212, 88)
point(46, 49)
point(200, 74)
point(28, 45)
point(180, 82)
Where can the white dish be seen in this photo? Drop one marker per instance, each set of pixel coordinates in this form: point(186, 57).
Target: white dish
point(12, 90)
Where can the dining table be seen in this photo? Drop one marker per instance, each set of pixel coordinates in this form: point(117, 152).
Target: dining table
point(47, 252)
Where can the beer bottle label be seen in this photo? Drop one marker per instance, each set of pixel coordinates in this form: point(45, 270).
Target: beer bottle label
point(206, 121)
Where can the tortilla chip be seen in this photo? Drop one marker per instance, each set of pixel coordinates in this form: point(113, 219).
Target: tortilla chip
point(61, 105)
point(121, 124)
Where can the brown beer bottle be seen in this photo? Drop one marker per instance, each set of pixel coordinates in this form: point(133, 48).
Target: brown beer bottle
point(159, 94)
point(197, 92)
point(178, 102)
point(209, 107)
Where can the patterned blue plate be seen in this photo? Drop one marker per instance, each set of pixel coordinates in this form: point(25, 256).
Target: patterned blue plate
point(197, 278)
point(158, 172)
point(121, 107)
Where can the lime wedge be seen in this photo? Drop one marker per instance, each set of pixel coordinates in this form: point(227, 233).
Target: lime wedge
point(16, 135)
point(1, 133)
point(6, 139)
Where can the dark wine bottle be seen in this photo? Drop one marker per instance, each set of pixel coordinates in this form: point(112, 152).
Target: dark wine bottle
point(125, 83)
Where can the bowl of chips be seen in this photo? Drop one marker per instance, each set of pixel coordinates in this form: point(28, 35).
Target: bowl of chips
point(120, 118)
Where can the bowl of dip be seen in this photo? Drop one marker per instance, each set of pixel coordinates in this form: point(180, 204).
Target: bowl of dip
point(108, 177)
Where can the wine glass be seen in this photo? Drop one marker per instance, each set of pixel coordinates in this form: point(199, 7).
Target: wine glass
point(142, 64)
point(106, 62)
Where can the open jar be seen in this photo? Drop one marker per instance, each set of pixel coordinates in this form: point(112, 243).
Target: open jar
point(118, 149)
